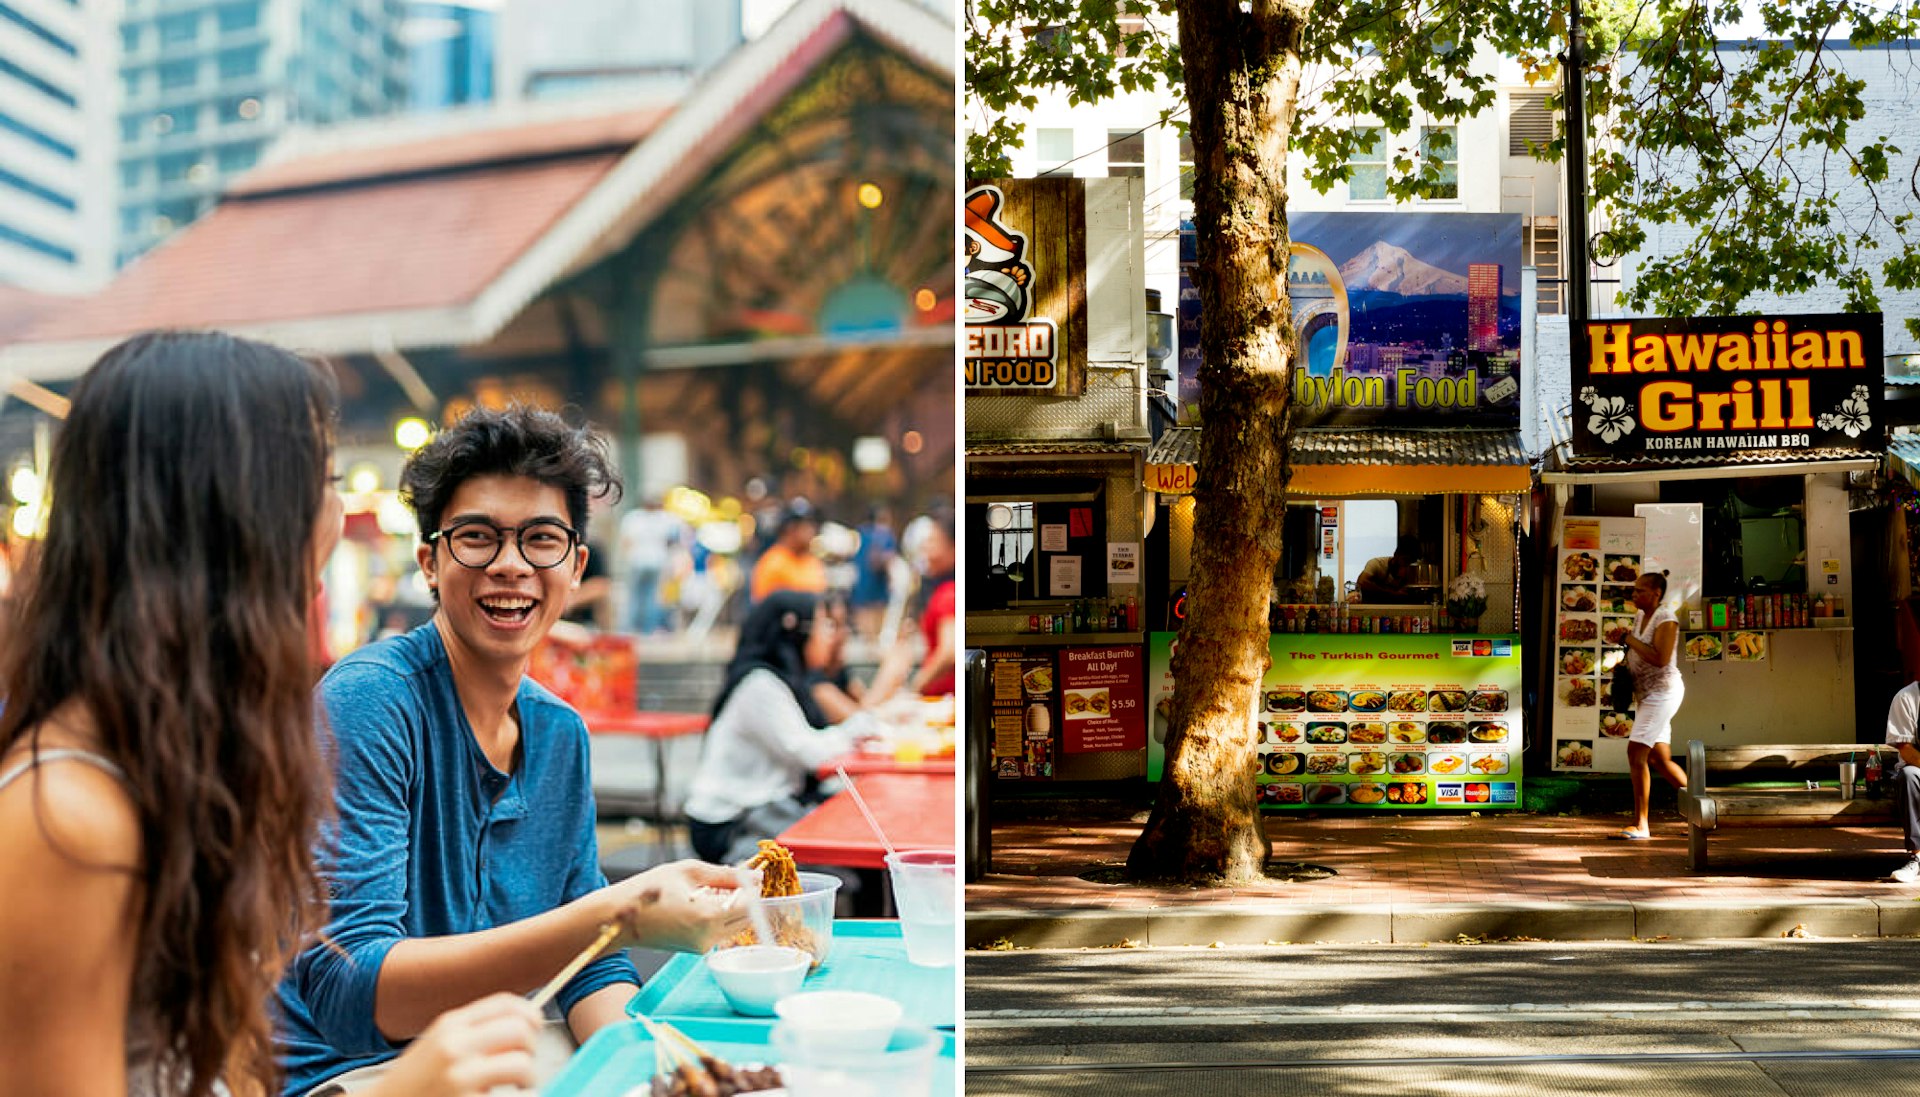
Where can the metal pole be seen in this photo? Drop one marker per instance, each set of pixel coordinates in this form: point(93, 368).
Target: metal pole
point(1578, 274)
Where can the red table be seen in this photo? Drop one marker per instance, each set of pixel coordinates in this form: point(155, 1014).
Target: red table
point(657, 727)
point(860, 762)
point(916, 811)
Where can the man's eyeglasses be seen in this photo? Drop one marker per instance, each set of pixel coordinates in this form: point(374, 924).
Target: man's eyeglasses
point(475, 543)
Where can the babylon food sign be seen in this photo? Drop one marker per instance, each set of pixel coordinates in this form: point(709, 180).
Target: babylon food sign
point(1722, 385)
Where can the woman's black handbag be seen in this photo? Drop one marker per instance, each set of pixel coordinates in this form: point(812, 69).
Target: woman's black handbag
point(1620, 690)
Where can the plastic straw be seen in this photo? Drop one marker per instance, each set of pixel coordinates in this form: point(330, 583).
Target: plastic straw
point(860, 803)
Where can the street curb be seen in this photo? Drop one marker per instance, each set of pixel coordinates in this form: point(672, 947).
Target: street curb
point(1245, 924)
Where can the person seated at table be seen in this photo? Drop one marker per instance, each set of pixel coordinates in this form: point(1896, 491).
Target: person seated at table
point(1385, 578)
point(159, 774)
point(769, 733)
point(464, 860)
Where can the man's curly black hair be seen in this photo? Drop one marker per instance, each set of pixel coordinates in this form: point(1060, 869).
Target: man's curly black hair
point(515, 441)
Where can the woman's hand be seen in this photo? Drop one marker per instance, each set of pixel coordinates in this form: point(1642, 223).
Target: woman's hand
point(467, 1052)
point(685, 906)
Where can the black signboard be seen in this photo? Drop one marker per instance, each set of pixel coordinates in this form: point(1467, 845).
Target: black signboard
point(1721, 386)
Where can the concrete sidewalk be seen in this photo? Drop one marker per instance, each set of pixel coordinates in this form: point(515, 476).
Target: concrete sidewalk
point(1410, 878)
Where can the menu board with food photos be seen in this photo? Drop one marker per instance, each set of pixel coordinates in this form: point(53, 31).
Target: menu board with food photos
point(1365, 721)
point(1023, 700)
point(1101, 700)
point(1599, 560)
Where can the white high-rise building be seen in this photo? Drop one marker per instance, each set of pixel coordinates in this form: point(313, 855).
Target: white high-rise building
point(551, 49)
point(56, 144)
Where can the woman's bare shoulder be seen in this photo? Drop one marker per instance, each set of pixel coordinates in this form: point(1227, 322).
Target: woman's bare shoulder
point(66, 812)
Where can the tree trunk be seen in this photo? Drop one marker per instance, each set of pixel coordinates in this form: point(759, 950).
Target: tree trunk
point(1243, 81)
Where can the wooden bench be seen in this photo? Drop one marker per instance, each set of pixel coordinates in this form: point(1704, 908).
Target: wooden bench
point(1708, 807)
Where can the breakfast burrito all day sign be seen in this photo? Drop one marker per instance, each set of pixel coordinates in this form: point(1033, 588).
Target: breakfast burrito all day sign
point(1719, 386)
point(1427, 721)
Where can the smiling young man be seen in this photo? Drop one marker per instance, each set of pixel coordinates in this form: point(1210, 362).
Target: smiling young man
point(464, 861)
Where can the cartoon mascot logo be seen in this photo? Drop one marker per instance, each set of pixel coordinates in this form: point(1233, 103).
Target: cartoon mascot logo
point(1005, 349)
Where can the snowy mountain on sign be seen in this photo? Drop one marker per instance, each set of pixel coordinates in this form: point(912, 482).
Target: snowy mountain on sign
point(1393, 269)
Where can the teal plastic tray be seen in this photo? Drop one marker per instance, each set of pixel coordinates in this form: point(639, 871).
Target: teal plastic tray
point(620, 1057)
point(867, 956)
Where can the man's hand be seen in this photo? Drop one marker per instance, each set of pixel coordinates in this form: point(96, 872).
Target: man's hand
point(686, 906)
point(468, 1052)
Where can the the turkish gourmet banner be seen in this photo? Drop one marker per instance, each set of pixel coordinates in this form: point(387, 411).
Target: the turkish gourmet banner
point(1403, 319)
point(1717, 386)
point(1427, 721)
point(1025, 271)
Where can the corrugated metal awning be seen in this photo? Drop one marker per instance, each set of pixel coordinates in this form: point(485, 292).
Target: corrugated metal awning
point(1376, 461)
point(1773, 462)
point(1903, 457)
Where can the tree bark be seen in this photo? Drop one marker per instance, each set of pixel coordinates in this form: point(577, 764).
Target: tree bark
point(1243, 82)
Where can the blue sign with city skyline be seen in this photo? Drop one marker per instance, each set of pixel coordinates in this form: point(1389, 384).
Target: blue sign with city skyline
point(1402, 319)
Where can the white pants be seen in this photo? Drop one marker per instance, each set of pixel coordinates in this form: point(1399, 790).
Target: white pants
point(1653, 716)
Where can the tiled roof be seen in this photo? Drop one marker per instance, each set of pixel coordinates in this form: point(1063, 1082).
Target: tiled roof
point(1377, 446)
point(416, 242)
point(20, 309)
point(1711, 460)
point(1094, 446)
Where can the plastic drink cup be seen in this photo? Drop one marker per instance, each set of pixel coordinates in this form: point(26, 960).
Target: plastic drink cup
point(924, 891)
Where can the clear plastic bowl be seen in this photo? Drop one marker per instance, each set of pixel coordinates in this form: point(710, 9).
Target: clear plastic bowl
point(800, 921)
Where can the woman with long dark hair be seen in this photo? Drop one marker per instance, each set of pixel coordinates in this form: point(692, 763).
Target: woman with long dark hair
point(769, 732)
point(160, 784)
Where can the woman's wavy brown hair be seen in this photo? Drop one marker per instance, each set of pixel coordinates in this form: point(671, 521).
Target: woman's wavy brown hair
point(169, 601)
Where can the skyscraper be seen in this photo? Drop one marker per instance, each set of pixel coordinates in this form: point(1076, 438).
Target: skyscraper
point(56, 144)
point(550, 49)
point(1483, 306)
point(207, 84)
point(450, 53)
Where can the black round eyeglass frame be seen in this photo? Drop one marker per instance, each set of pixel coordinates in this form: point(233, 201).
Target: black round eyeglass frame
point(500, 540)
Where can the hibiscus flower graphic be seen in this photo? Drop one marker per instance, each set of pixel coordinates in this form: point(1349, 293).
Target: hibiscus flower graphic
point(1851, 417)
point(1610, 419)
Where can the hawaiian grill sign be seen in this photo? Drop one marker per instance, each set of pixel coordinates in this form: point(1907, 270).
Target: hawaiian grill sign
point(1722, 385)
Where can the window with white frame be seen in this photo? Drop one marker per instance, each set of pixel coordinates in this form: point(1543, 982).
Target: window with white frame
point(1369, 160)
point(1127, 153)
point(1441, 143)
point(1053, 149)
point(1186, 167)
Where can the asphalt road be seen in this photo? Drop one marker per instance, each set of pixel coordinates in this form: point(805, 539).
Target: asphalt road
point(1717, 1019)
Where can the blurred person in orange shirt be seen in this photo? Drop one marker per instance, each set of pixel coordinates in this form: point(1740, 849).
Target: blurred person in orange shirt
point(789, 563)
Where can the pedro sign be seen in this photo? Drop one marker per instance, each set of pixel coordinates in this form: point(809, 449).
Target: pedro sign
point(1025, 286)
point(1718, 386)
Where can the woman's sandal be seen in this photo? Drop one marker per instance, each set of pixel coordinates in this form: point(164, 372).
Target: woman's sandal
point(1630, 835)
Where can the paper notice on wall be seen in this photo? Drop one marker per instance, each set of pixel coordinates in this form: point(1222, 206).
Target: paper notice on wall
point(1063, 577)
point(1053, 537)
point(1674, 537)
point(1123, 561)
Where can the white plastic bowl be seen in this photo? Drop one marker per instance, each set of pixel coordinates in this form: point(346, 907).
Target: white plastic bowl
point(840, 1020)
point(754, 977)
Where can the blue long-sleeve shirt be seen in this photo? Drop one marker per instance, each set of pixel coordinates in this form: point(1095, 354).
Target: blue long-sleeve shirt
point(431, 841)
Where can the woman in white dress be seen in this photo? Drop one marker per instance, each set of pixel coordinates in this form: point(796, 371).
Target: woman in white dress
point(1657, 692)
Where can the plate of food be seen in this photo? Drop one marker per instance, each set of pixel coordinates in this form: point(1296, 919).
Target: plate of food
point(1288, 794)
point(1286, 764)
point(1406, 731)
point(1407, 700)
point(1488, 731)
point(1577, 693)
point(1286, 700)
point(1367, 761)
point(1407, 792)
point(1407, 762)
point(1487, 700)
point(1746, 647)
point(1326, 700)
point(1615, 630)
point(1575, 753)
point(1579, 599)
point(1621, 569)
point(1366, 700)
point(1367, 733)
point(1446, 763)
point(1578, 630)
point(1366, 792)
point(1446, 731)
point(1617, 599)
point(1326, 794)
point(1038, 680)
point(1577, 661)
point(1580, 565)
point(1487, 763)
point(1447, 700)
point(1616, 725)
point(1284, 733)
point(1326, 733)
point(1326, 763)
point(1704, 647)
point(1086, 703)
